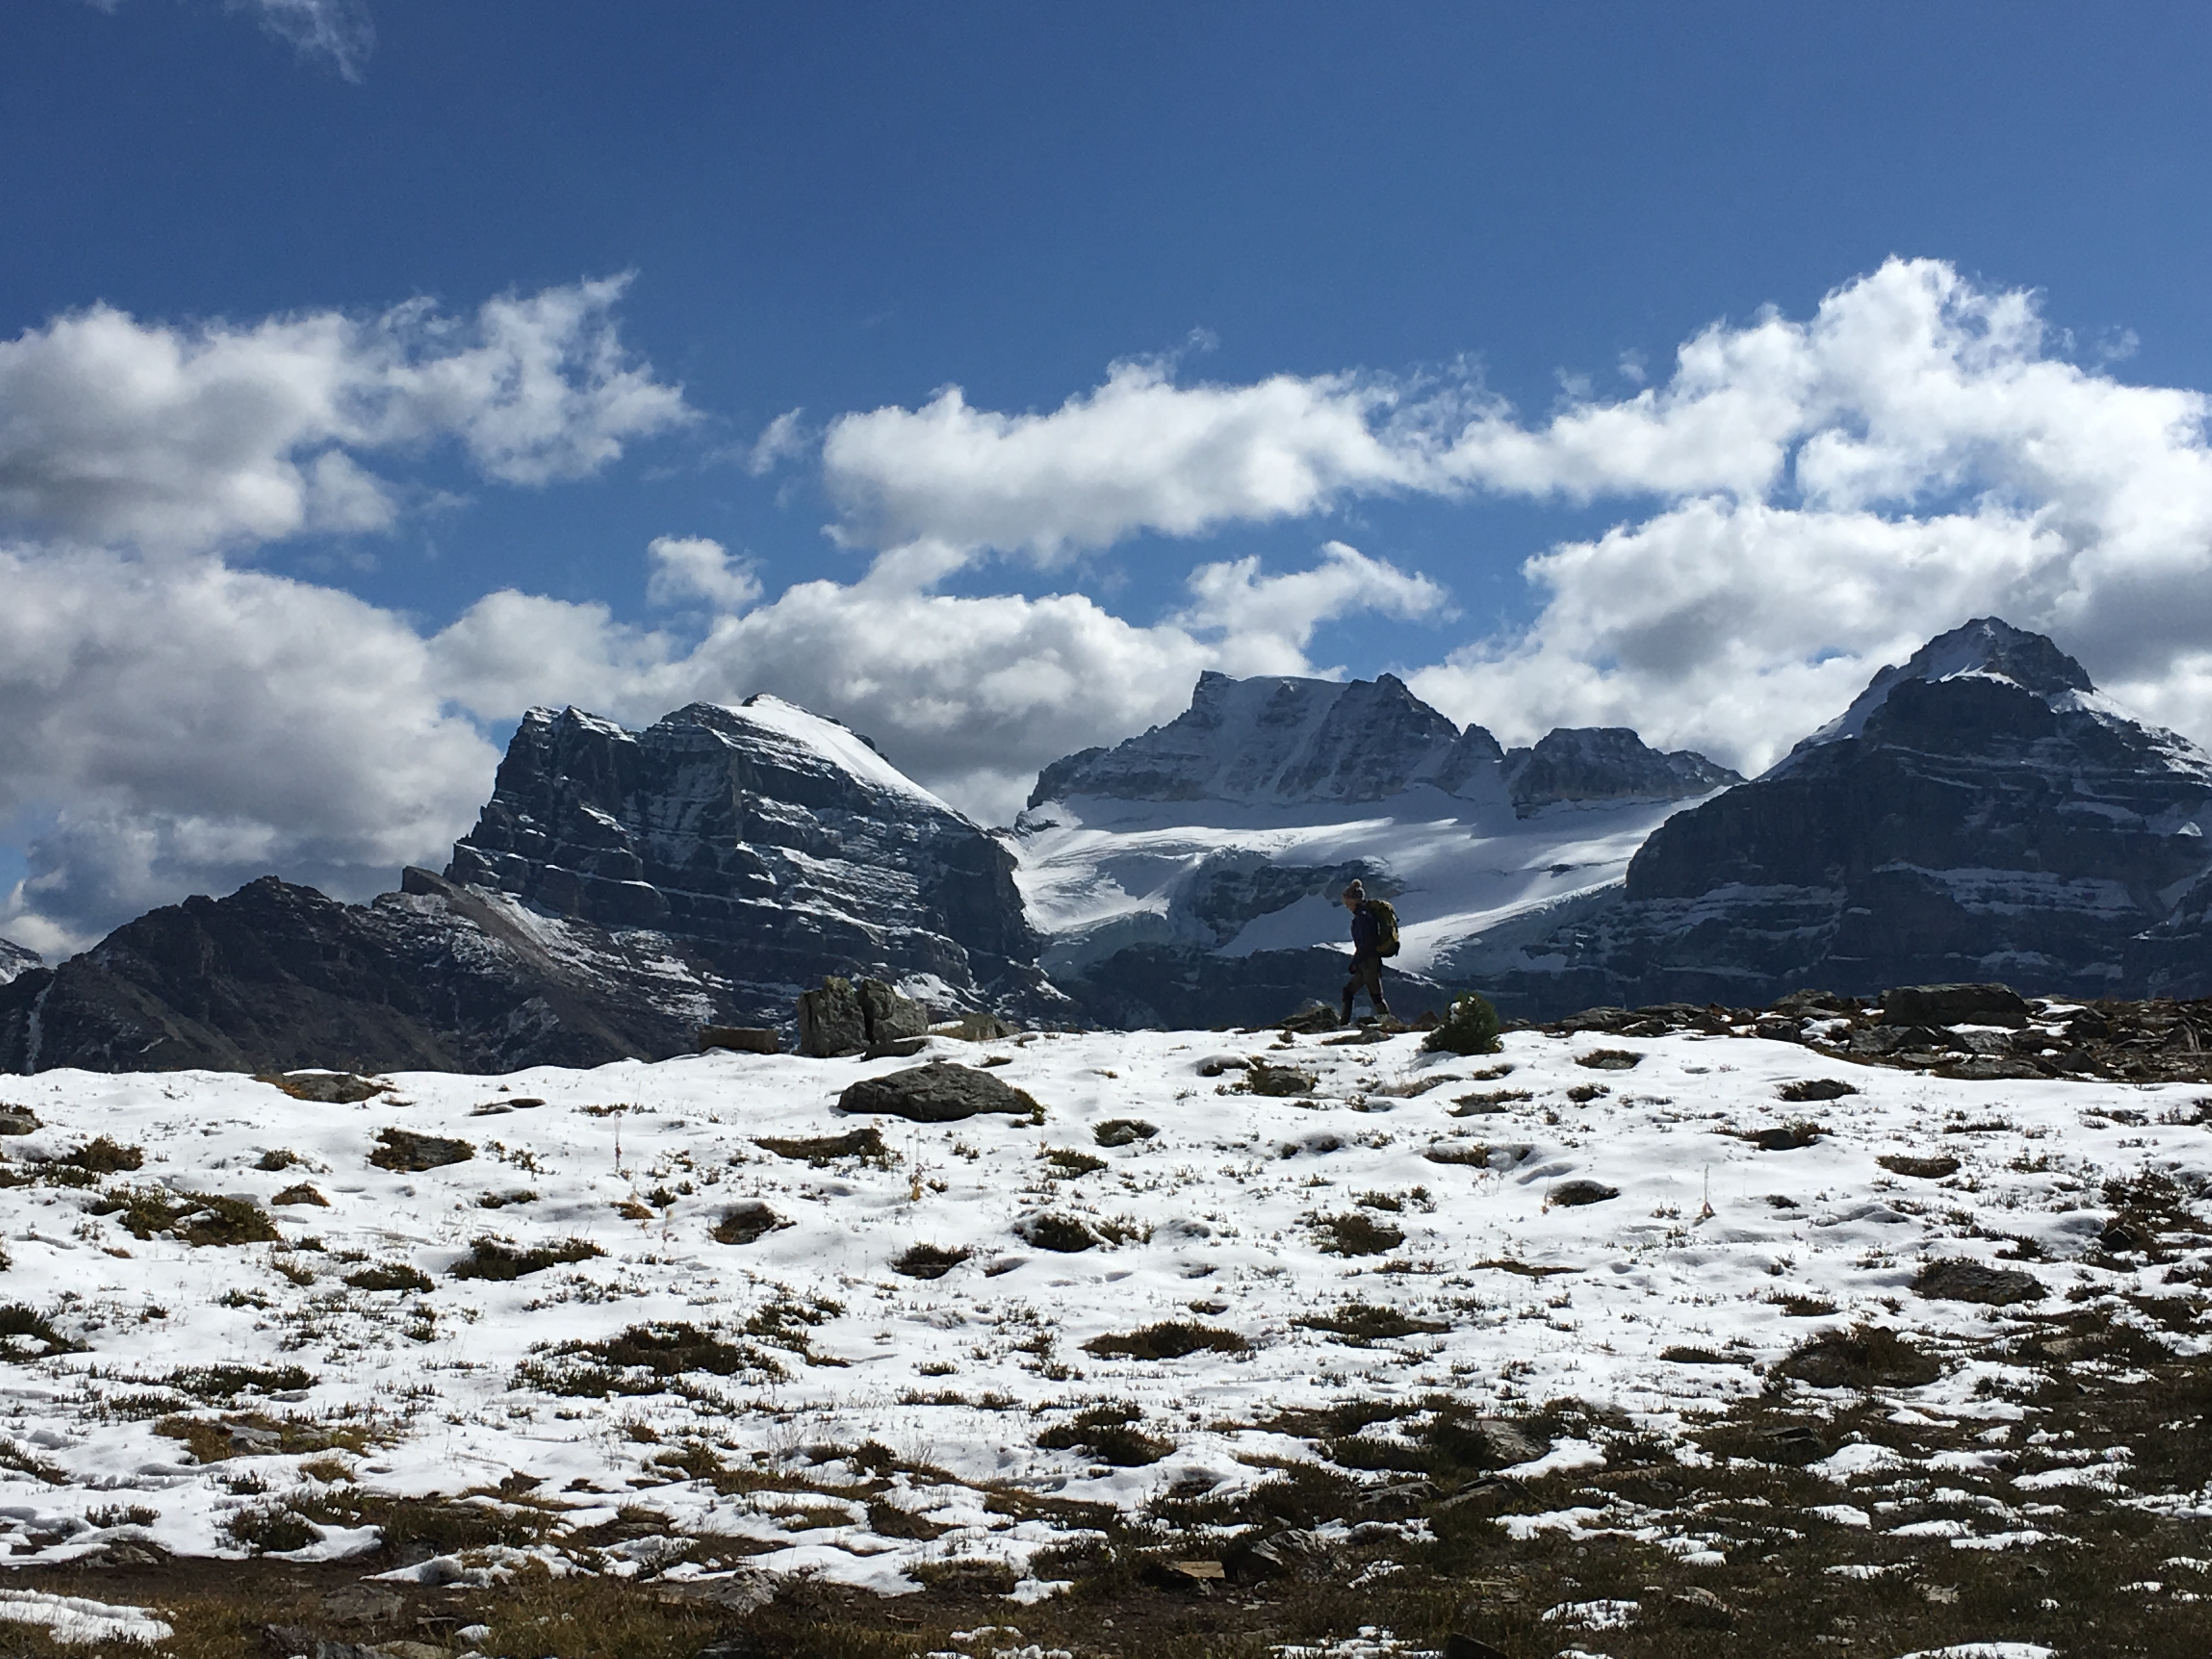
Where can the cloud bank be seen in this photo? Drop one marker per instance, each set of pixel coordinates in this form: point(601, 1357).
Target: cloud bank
point(1801, 500)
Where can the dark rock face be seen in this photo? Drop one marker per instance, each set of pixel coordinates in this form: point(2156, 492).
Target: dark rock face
point(739, 831)
point(277, 977)
point(620, 892)
point(1977, 815)
point(1606, 762)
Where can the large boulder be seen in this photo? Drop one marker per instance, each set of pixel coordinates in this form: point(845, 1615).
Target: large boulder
point(839, 1018)
point(936, 1093)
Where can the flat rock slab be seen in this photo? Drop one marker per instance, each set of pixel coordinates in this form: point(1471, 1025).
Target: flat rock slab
point(938, 1092)
point(1956, 1279)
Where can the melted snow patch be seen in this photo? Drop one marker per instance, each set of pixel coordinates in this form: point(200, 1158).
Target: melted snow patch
point(74, 1619)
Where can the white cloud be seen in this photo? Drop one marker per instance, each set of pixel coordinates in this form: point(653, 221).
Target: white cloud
point(692, 569)
point(181, 726)
point(179, 438)
point(1264, 624)
point(783, 439)
point(340, 30)
point(1138, 453)
point(1813, 498)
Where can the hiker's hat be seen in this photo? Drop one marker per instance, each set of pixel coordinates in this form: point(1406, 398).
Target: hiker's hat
point(1355, 890)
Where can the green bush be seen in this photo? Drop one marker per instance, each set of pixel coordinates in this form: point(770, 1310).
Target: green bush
point(1471, 1028)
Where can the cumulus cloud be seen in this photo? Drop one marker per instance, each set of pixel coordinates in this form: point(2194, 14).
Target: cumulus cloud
point(1264, 624)
point(181, 726)
point(1835, 491)
point(1810, 498)
point(1139, 453)
point(689, 569)
point(178, 439)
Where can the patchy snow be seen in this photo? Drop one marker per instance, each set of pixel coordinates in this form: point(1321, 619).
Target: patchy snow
point(1710, 1244)
point(73, 1621)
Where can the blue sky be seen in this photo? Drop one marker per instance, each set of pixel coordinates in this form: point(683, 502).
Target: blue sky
point(1335, 240)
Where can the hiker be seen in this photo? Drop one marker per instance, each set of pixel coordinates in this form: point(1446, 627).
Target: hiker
point(1374, 936)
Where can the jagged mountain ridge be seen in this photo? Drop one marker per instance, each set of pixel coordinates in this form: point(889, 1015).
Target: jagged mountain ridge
point(1286, 741)
point(619, 890)
point(1979, 812)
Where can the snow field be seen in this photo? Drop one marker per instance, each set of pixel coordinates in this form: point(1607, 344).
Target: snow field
point(1264, 1223)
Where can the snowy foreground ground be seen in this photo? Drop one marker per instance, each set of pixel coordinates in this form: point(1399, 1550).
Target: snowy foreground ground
point(1265, 1220)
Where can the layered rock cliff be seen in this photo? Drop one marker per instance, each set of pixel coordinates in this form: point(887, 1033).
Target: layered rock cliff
point(1979, 812)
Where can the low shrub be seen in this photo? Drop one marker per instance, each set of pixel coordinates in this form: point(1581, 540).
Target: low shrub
point(1471, 1028)
point(492, 1259)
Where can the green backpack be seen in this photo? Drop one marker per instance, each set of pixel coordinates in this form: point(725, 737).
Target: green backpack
point(1386, 927)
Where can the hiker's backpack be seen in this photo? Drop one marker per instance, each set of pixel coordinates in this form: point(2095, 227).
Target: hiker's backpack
point(1386, 927)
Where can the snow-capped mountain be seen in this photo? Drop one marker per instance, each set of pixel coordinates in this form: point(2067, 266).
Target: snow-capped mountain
point(17, 959)
point(1979, 812)
point(1190, 874)
point(619, 890)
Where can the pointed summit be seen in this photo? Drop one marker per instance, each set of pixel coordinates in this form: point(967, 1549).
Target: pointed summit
point(1988, 647)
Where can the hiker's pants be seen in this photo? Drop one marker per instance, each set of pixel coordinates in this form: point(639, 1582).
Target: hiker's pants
point(1366, 970)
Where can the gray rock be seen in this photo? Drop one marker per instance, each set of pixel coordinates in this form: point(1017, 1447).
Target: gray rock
point(832, 1020)
point(936, 1093)
point(739, 1039)
point(839, 1017)
point(1954, 1005)
point(1606, 762)
point(1957, 1280)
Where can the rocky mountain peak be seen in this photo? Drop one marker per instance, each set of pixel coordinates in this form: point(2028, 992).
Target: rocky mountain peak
point(1603, 763)
point(1275, 739)
point(1285, 741)
point(17, 959)
point(1988, 647)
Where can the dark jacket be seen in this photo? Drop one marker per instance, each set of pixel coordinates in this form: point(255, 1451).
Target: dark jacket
point(1366, 932)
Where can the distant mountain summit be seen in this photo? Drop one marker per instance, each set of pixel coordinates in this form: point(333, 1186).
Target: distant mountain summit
point(619, 890)
point(1190, 874)
point(1979, 813)
point(1283, 741)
